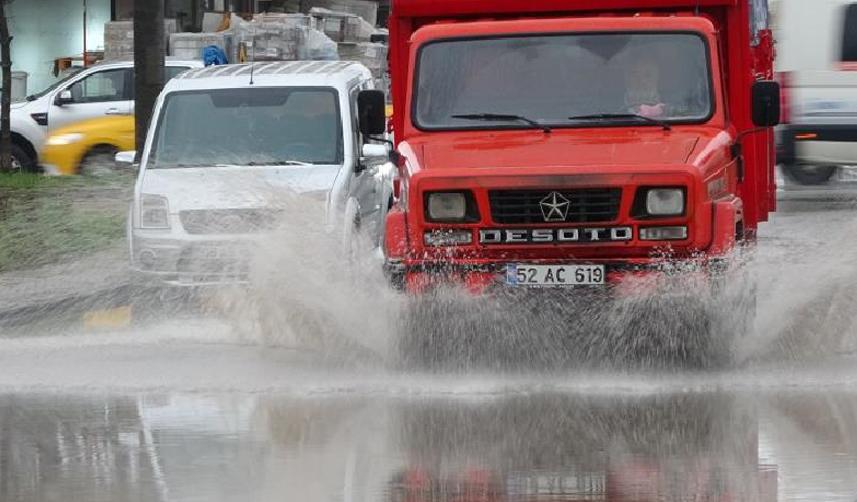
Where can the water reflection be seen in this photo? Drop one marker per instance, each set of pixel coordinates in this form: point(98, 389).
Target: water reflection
point(686, 447)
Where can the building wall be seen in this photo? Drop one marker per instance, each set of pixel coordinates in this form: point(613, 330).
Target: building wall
point(44, 30)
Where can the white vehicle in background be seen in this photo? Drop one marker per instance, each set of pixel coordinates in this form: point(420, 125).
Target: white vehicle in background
point(230, 144)
point(103, 89)
point(817, 65)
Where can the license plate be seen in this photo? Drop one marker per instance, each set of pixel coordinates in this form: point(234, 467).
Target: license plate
point(554, 275)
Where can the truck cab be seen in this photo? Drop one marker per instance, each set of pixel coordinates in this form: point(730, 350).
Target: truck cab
point(571, 143)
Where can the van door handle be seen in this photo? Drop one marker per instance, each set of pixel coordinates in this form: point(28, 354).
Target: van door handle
point(112, 111)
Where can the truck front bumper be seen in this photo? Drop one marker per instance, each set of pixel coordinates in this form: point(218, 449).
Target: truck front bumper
point(623, 277)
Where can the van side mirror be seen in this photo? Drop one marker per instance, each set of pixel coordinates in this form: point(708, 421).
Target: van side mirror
point(64, 98)
point(126, 159)
point(371, 108)
point(375, 152)
point(766, 103)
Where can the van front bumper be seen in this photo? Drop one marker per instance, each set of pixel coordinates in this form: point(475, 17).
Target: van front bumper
point(191, 262)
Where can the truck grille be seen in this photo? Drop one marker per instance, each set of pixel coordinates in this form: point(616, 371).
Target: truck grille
point(586, 205)
point(228, 221)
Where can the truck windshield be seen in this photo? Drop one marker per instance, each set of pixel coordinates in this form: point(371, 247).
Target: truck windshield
point(564, 80)
point(248, 127)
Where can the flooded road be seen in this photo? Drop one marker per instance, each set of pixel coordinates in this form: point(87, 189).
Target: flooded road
point(511, 446)
point(185, 409)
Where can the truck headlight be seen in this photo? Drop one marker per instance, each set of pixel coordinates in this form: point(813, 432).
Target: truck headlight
point(450, 207)
point(154, 211)
point(64, 139)
point(665, 202)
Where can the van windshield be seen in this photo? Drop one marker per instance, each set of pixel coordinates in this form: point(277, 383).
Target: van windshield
point(248, 127)
point(563, 80)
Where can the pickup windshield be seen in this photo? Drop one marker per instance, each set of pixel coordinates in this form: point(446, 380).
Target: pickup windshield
point(248, 127)
point(564, 81)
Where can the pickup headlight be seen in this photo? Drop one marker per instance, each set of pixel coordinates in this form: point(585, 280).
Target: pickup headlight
point(665, 202)
point(154, 211)
point(64, 139)
point(450, 207)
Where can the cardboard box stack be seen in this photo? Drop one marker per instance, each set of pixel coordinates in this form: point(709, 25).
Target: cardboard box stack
point(119, 37)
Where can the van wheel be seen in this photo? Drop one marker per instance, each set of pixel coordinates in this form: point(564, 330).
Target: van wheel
point(99, 161)
point(810, 174)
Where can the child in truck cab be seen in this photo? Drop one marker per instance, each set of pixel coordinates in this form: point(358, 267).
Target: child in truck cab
point(642, 95)
point(663, 82)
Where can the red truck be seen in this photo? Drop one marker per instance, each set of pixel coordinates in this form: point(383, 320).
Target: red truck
point(575, 142)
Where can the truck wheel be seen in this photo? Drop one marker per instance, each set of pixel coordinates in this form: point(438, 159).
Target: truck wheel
point(433, 335)
point(810, 174)
point(673, 333)
point(21, 162)
point(419, 337)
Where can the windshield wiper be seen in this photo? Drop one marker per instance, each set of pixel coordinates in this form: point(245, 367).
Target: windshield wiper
point(623, 116)
point(498, 117)
point(31, 97)
point(282, 163)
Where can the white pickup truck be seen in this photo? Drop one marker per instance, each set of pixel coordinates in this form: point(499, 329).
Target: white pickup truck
point(103, 89)
point(817, 65)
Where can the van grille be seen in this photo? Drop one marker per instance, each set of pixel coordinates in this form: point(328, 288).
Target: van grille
point(229, 221)
point(587, 205)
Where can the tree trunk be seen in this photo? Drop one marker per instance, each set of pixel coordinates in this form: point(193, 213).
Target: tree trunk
point(148, 63)
point(6, 93)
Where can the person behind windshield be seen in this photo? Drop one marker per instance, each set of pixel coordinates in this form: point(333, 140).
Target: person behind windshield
point(642, 88)
point(664, 82)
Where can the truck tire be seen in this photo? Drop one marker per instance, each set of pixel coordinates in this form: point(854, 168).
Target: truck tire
point(686, 333)
point(809, 174)
point(437, 333)
point(21, 162)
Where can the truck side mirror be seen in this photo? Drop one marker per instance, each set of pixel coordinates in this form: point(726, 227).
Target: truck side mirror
point(766, 103)
point(64, 98)
point(371, 107)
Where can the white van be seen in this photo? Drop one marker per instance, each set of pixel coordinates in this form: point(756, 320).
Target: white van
point(817, 65)
point(102, 89)
point(228, 142)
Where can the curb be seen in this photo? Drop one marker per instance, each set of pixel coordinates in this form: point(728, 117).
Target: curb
point(78, 304)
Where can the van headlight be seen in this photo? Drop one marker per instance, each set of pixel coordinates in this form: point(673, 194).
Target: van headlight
point(154, 211)
point(665, 202)
point(64, 139)
point(450, 207)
